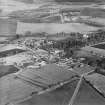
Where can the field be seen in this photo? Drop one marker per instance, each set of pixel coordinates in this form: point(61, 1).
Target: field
point(86, 96)
point(100, 46)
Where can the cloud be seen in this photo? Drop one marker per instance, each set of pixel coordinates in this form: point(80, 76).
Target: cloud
point(8, 6)
point(25, 1)
point(79, 0)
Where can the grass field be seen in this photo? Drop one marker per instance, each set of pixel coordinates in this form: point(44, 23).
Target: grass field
point(100, 46)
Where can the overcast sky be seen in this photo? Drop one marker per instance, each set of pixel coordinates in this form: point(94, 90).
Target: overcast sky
point(8, 6)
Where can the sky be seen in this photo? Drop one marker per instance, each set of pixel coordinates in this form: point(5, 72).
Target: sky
point(8, 6)
point(53, 27)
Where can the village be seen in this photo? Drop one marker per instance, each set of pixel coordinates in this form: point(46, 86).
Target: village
point(52, 52)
